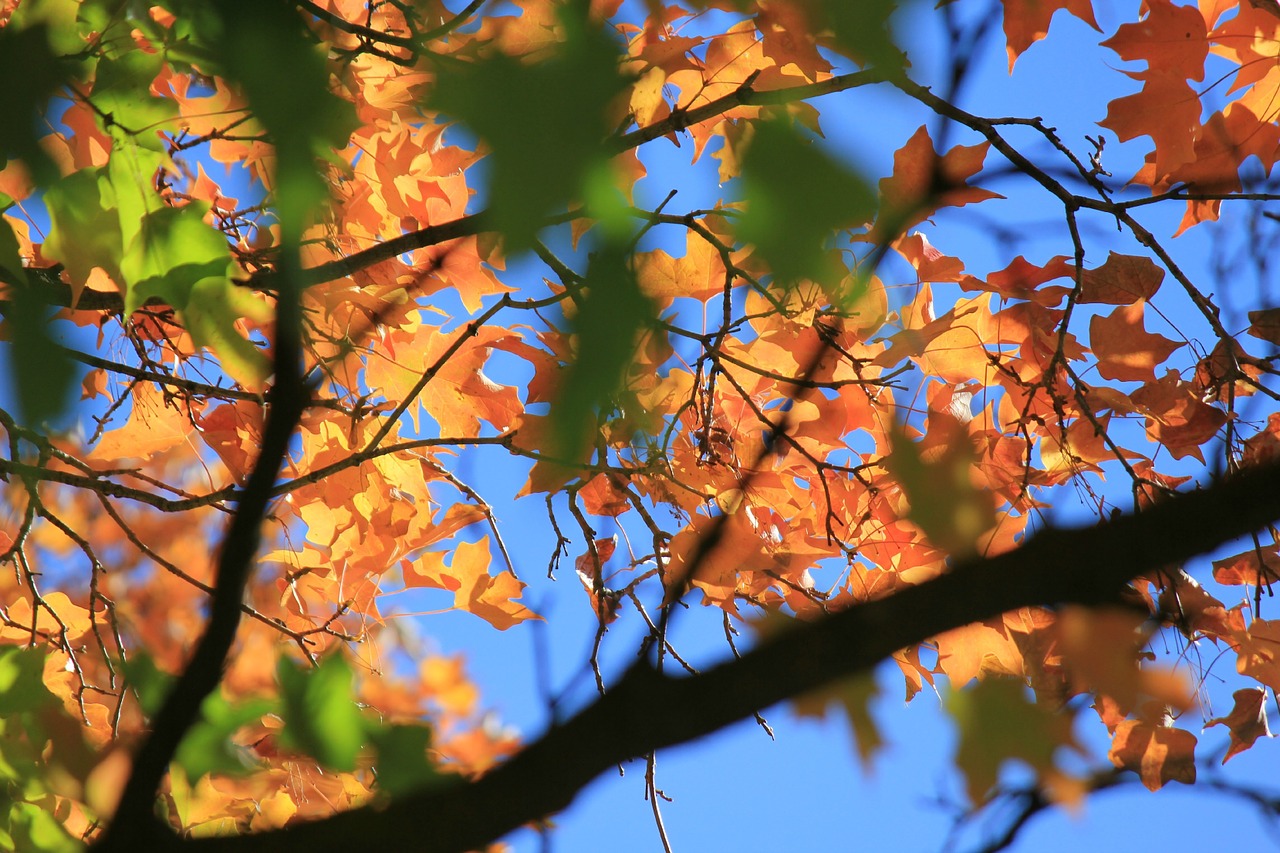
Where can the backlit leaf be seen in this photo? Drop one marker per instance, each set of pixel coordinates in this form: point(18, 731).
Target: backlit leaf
point(319, 711)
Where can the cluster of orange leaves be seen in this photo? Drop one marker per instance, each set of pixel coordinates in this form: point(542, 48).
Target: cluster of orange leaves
point(1002, 418)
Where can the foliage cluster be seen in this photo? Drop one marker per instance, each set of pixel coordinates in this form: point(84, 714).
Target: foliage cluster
point(790, 405)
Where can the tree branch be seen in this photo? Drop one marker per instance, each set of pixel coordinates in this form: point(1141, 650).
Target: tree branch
point(648, 710)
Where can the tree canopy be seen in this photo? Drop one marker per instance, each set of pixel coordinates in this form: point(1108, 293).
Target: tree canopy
point(276, 276)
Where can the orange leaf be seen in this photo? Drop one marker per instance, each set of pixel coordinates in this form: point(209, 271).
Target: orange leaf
point(154, 426)
point(1247, 721)
point(1122, 280)
point(978, 650)
point(1027, 21)
point(1021, 279)
point(1265, 324)
point(922, 182)
point(1126, 351)
point(1260, 652)
point(1176, 417)
point(1168, 110)
point(1172, 38)
point(1100, 649)
point(699, 274)
point(1245, 569)
point(1158, 754)
point(491, 597)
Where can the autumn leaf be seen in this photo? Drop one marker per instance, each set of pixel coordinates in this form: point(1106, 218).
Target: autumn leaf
point(698, 274)
point(155, 424)
point(1156, 751)
point(1121, 280)
point(1256, 567)
point(1126, 351)
point(1100, 651)
point(1265, 324)
point(1173, 38)
point(1247, 721)
point(922, 182)
point(1027, 21)
point(1260, 652)
point(492, 598)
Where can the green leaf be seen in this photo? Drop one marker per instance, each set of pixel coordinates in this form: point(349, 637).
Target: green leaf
point(544, 124)
point(320, 714)
point(608, 320)
point(998, 723)
point(214, 305)
point(62, 19)
point(42, 371)
point(943, 500)
point(37, 831)
point(174, 249)
point(402, 764)
point(797, 197)
point(22, 681)
point(862, 31)
point(265, 47)
point(84, 230)
point(122, 97)
point(208, 747)
point(150, 683)
point(31, 73)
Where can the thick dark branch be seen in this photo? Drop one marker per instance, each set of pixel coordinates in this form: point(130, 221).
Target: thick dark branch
point(648, 710)
point(135, 818)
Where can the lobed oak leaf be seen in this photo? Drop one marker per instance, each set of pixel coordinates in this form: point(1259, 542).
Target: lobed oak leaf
point(1176, 417)
point(19, 619)
point(668, 54)
point(1247, 721)
point(234, 432)
point(1167, 109)
point(922, 181)
point(1255, 567)
point(1174, 38)
point(698, 274)
point(1265, 324)
point(491, 597)
point(1027, 21)
point(977, 651)
point(155, 425)
point(930, 263)
point(600, 496)
point(1195, 612)
point(1121, 280)
point(1022, 279)
point(786, 37)
point(1126, 352)
point(1159, 754)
